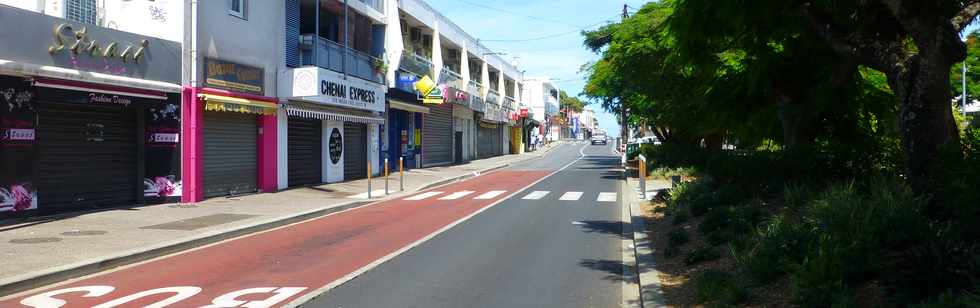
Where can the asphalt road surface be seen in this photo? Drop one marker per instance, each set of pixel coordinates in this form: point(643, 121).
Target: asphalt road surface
point(542, 233)
point(537, 252)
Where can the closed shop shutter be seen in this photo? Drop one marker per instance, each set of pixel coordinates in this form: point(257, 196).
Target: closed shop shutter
point(437, 135)
point(305, 145)
point(355, 151)
point(230, 153)
point(87, 156)
point(485, 140)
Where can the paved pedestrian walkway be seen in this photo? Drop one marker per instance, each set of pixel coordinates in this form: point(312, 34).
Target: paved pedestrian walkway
point(52, 249)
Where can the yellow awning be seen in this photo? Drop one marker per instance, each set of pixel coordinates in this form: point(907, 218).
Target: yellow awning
point(234, 104)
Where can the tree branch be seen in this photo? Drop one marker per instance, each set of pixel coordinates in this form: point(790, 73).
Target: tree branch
point(912, 23)
point(966, 16)
point(874, 54)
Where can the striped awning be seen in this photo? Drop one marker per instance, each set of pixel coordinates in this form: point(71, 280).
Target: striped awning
point(310, 112)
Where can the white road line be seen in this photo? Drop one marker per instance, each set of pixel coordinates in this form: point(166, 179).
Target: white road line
point(606, 197)
point(490, 194)
point(456, 195)
point(537, 194)
point(423, 196)
point(374, 194)
point(571, 196)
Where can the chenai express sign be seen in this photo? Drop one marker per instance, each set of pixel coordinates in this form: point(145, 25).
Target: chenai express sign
point(319, 85)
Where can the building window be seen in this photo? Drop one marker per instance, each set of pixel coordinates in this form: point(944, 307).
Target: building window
point(83, 11)
point(238, 8)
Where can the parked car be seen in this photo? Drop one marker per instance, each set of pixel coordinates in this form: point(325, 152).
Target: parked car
point(599, 139)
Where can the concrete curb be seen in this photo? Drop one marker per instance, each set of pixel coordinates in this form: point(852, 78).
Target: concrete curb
point(651, 292)
point(39, 279)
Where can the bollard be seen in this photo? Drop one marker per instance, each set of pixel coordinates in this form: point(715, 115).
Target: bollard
point(369, 180)
point(386, 176)
point(401, 173)
point(643, 176)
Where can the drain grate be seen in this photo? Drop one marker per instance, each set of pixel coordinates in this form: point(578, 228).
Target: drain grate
point(35, 240)
point(84, 232)
point(183, 206)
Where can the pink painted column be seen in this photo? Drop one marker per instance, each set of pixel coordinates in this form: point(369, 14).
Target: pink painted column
point(267, 153)
point(192, 146)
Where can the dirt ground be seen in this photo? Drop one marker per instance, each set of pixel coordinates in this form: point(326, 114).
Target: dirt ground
point(676, 277)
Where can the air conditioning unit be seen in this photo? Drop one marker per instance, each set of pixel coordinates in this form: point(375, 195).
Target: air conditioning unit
point(416, 34)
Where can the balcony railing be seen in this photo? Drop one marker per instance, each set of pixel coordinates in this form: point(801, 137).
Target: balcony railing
point(474, 87)
point(330, 55)
point(378, 5)
point(509, 102)
point(415, 64)
point(451, 78)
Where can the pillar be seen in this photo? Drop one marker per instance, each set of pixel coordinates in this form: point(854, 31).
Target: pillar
point(192, 146)
point(267, 153)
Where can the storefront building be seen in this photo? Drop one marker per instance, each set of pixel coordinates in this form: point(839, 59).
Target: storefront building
point(492, 128)
point(464, 130)
point(404, 126)
point(332, 126)
point(89, 117)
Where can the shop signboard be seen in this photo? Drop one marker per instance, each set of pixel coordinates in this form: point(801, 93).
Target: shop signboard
point(43, 40)
point(221, 74)
point(17, 127)
point(319, 85)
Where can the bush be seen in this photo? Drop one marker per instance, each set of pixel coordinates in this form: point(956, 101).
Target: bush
point(725, 224)
point(696, 196)
point(779, 246)
point(701, 254)
point(681, 218)
point(721, 287)
point(677, 238)
point(796, 195)
point(953, 300)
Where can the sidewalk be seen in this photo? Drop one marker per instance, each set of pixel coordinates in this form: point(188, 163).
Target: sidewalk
point(46, 251)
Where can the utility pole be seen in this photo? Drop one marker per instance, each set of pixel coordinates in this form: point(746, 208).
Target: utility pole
point(624, 127)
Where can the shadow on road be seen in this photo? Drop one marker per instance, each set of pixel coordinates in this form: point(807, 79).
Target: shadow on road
point(612, 268)
point(602, 227)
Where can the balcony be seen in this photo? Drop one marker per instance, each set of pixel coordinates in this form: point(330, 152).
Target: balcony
point(509, 102)
point(330, 55)
point(378, 5)
point(493, 98)
point(415, 64)
point(474, 87)
point(451, 78)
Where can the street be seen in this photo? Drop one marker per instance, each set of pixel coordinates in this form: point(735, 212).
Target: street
point(545, 232)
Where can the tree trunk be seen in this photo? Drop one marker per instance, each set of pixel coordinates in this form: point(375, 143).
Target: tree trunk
point(926, 118)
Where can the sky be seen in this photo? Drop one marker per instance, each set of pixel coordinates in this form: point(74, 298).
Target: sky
point(559, 56)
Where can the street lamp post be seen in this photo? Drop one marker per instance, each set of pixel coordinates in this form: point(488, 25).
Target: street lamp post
point(964, 88)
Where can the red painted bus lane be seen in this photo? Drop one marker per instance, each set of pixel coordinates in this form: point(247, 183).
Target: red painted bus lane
point(272, 268)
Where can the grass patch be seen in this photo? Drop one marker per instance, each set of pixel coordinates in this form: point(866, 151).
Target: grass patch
point(718, 287)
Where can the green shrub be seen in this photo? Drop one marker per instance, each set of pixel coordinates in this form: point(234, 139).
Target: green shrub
point(677, 238)
point(701, 254)
point(725, 224)
point(696, 196)
point(820, 280)
point(779, 246)
point(719, 287)
point(951, 299)
point(680, 218)
point(796, 195)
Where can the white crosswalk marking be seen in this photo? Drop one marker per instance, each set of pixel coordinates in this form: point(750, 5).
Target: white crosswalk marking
point(456, 195)
point(571, 196)
point(606, 197)
point(423, 196)
point(538, 194)
point(490, 194)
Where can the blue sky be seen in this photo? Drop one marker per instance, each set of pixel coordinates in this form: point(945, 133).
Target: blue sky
point(559, 57)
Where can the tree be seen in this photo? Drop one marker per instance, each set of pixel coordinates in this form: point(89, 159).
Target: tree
point(570, 102)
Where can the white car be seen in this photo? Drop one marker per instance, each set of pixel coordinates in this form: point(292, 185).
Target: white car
point(599, 139)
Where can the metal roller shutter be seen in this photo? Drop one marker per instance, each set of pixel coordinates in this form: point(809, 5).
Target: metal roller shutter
point(485, 140)
point(305, 146)
point(230, 153)
point(355, 151)
point(87, 156)
point(437, 135)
